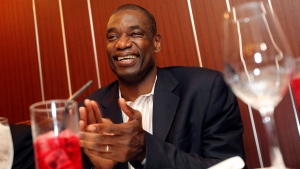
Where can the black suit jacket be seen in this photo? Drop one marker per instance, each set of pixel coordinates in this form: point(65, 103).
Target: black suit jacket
point(23, 148)
point(196, 119)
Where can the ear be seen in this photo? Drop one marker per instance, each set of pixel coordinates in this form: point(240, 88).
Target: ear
point(157, 43)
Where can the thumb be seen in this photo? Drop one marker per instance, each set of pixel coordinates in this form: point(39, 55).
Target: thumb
point(130, 112)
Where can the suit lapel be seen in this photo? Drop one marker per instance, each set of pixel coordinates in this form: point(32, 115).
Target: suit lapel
point(165, 103)
point(110, 105)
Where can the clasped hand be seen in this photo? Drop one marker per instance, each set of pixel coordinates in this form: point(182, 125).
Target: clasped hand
point(106, 143)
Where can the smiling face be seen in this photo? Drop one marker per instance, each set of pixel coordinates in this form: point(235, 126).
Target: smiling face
point(131, 46)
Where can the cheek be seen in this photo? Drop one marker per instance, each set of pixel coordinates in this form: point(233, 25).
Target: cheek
point(109, 55)
point(110, 61)
point(109, 48)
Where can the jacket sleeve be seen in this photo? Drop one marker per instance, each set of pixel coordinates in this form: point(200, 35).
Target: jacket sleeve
point(23, 147)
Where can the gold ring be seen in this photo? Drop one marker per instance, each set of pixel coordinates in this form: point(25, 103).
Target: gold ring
point(107, 148)
point(108, 134)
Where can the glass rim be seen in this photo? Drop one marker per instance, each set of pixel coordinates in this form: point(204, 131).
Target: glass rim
point(34, 106)
point(243, 19)
point(227, 14)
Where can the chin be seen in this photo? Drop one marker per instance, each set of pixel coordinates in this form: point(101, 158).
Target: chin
point(130, 79)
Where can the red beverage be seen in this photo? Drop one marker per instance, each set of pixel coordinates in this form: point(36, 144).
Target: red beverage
point(296, 91)
point(58, 152)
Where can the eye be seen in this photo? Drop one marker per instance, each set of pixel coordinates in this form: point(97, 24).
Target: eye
point(137, 34)
point(112, 37)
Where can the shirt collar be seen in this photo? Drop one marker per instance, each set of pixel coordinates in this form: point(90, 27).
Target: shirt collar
point(149, 94)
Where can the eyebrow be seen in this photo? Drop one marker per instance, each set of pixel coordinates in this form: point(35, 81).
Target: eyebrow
point(130, 27)
point(135, 27)
point(110, 30)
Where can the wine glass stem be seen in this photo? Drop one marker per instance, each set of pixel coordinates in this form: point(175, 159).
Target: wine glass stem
point(275, 153)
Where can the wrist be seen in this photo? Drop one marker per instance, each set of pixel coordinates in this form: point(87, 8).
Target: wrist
point(142, 154)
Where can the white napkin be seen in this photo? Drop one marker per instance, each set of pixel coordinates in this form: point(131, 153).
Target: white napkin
point(230, 163)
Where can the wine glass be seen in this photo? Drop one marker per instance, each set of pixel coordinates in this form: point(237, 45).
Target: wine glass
point(6, 145)
point(258, 63)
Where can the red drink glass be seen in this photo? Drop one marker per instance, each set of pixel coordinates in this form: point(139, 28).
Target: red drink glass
point(296, 90)
point(295, 85)
point(55, 134)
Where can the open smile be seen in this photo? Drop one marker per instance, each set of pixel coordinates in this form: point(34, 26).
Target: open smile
point(127, 60)
point(124, 58)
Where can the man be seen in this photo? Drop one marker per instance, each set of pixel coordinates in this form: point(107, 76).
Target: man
point(176, 117)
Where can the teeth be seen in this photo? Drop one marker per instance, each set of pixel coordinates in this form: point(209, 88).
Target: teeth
point(126, 57)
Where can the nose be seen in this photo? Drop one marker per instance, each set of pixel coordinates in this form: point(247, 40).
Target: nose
point(123, 42)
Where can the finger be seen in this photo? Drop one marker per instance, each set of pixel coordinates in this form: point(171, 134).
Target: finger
point(97, 112)
point(83, 115)
point(130, 112)
point(93, 127)
point(81, 125)
point(104, 129)
point(71, 111)
point(107, 120)
point(106, 148)
point(90, 112)
point(89, 145)
point(97, 157)
point(99, 138)
point(103, 154)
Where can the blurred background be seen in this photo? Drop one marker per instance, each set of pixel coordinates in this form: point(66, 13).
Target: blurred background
point(49, 49)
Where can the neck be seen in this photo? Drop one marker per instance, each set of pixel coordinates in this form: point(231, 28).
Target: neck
point(130, 92)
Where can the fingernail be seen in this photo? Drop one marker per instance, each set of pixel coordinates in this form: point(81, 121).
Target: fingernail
point(91, 128)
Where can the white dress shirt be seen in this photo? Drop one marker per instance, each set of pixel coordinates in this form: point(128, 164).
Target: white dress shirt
point(144, 104)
